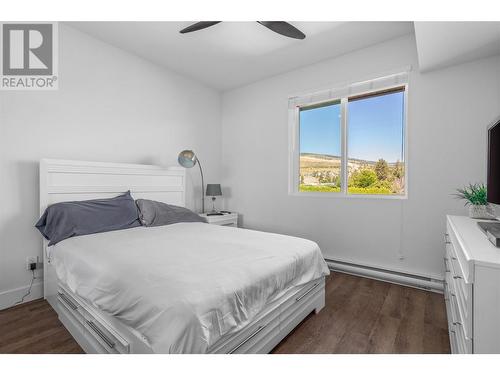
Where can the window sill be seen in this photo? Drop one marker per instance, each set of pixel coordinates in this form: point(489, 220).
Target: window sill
point(310, 194)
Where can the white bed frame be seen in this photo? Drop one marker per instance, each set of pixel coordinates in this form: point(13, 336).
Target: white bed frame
point(98, 332)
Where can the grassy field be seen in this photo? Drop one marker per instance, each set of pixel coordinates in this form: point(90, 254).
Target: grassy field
point(352, 190)
point(321, 188)
point(321, 173)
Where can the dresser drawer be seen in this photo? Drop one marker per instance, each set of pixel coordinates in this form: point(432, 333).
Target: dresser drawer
point(461, 291)
point(473, 286)
point(453, 341)
point(456, 254)
point(458, 328)
point(463, 344)
point(451, 328)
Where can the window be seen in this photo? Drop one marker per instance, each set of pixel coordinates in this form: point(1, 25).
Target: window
point(352, 145)
point(375, 144)
point(320, 145)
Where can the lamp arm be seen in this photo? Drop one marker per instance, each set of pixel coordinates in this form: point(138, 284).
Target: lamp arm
point(202, 188)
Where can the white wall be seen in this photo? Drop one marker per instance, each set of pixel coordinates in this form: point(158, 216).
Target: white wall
point(113, 106)
point(110, 106)
point(448, 113)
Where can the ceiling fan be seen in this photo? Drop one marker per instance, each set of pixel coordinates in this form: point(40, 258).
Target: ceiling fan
point(280, 27)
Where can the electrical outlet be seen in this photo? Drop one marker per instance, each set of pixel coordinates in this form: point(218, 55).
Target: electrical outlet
point(29, 260)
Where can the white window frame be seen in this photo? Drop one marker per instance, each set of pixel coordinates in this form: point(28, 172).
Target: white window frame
point(294, 148)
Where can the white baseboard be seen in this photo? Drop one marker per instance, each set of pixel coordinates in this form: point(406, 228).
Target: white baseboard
point(9, 297)
point(400, 278)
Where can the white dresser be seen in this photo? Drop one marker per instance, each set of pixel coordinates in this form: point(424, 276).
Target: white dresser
point(472, 288)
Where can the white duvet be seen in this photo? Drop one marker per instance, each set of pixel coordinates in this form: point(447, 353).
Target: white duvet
point(182, 287)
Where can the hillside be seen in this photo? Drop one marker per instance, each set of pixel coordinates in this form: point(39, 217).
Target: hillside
point(321, 172)
point(335, 159)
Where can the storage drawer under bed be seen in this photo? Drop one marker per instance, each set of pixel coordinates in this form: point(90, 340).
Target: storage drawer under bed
point(267, 330)
point(92, 328)
point(259, 337)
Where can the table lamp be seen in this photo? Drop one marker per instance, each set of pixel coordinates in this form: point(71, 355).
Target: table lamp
point(213, 190)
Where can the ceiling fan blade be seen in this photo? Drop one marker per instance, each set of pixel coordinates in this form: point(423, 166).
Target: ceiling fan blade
point(199, 26)
point(283, 28)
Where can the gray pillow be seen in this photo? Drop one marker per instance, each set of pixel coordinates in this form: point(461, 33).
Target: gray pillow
point(68, 219)
point(153, 213)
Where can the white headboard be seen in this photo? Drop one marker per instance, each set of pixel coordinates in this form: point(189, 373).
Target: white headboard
point(71, 180)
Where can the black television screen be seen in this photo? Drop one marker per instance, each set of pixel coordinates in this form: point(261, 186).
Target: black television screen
point(494, 164)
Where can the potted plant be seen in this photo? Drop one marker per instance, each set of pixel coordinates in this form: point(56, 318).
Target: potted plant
point(475, 197)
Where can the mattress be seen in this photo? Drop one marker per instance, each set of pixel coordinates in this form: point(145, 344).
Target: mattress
point(182, 288)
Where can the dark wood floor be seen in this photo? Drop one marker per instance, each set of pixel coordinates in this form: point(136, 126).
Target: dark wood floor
point(360, 316)
point(368, 316)
point(33, 327)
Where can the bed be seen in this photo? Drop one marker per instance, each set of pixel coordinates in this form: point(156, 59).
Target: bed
point(181, 288)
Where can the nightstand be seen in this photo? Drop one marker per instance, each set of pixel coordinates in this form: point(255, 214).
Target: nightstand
point(229, 220)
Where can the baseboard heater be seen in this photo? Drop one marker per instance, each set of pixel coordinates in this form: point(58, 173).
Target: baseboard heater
point(395, 277)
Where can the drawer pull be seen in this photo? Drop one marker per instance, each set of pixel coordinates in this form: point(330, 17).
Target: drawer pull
point(99, 333)
point(453, 295)
point(454, 258)
point(446, 238)
point(307, 292)
point(457, 277)
point(445, 265)
point(247, 339)
point(457, 324)
point(68, 301)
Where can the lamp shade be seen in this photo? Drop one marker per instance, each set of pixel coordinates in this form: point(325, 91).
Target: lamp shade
point(213, 190)
point(187, 159)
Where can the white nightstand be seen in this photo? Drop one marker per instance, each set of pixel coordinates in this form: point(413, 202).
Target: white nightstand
point(229, 220)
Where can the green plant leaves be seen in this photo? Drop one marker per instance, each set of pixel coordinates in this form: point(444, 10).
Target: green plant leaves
point(474, 194)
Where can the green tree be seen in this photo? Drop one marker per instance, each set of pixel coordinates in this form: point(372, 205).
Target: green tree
point(387, 185)
point(382, 169)
point(365, 178)
point(336, 180)
point(398, 170)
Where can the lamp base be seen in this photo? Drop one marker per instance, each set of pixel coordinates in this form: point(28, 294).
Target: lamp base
point(213, 206)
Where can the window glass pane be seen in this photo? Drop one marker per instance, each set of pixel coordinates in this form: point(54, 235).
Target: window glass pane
point(320, 148)
point(375, 145)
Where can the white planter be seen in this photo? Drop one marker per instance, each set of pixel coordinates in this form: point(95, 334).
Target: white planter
point(480, 212)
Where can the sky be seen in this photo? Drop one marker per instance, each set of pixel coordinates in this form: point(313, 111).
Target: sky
point(374, 129)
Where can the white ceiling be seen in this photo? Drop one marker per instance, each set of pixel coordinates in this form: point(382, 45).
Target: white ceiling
point(441, 44)
point(233, 54)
